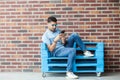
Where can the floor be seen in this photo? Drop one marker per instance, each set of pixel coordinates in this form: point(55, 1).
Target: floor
point(57, 76)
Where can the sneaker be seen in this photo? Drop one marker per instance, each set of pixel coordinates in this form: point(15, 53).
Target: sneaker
point(88, 54)
point(71, 75)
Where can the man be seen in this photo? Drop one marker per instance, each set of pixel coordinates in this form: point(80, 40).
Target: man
point(58, 45)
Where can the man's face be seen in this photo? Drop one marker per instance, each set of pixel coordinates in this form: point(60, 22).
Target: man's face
point(52, 26)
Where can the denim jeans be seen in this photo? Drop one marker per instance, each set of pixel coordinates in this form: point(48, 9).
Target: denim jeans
point(69, 51)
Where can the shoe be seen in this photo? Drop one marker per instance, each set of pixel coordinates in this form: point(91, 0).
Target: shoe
point(71, 75)
point(88, 54)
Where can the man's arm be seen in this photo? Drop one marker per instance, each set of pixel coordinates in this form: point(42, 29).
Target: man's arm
point(52, 46)
point(63, 38)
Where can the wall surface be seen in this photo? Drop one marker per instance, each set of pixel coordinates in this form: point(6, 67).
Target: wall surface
point(22, 23)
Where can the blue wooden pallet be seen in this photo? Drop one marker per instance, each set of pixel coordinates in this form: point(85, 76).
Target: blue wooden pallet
point(81, 63)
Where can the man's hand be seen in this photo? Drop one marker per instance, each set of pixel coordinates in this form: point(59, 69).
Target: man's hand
point(58, 37)
point(63, 38)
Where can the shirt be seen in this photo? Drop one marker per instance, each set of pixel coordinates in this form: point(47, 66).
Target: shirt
point(48, 38)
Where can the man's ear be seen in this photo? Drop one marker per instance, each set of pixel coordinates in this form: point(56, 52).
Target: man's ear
point(48, 24)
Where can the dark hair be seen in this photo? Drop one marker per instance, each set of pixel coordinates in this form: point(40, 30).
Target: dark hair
point(51, 19)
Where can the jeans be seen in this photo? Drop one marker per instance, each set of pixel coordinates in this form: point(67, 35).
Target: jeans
point(69, 51)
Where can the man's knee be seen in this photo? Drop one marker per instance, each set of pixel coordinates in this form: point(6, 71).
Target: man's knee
point(75, 34)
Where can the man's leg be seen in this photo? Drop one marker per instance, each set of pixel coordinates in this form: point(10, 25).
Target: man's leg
point(67, 52)
point(70, 53)
point(74, 37)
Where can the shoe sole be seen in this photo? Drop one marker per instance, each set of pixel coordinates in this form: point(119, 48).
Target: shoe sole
point(71, 78)
point(87, 56)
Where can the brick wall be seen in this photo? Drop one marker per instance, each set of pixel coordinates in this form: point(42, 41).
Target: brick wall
point(22, 23)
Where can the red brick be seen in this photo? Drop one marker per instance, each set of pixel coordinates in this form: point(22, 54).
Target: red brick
point(102, 37)
point(27, 13)
point(44, 9)
point(33, 45)
point(90, 0)
point(61, 5)
point(90, 15)
point(38, 5)
point(33, 60)
point(11, 66)
point(95, 19)
point(72, 12)
point(61, 12)
point(107, 11)
point(90, 9)
point(117, 26)
point(10, 53)
point(34, 53)
point(43, 2)
point(21, 2)
point(2, 2)
point(73, 20)
point(16, 34)
point(84, 12)
point(27, 56)
point(11, 2)
point(101, 0)
point(23, 67)
point(117, 19)
point(97, 34)
point(113, 22)
point(117, 33)
point(114, 37)
point(2, 67)
point(55, 9)
point(113, 30)
point(16, 63)
point(95, 4)
point(15, 5)
point(5, 56)
point(102, 22)
point(101, 15)
point(84, 4)
point(113, 0)
point(33, 9)
point(96, 26)
point(4, 13)
point(113, 8)
point(78, 1)
point(2, 38)
point(73, 5)
point(102, 30)
point(90, 23)
point(27, 48)
point(33, 2)
point(2, 16)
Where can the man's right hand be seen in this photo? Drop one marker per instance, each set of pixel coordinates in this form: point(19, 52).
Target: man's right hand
point(58, 37)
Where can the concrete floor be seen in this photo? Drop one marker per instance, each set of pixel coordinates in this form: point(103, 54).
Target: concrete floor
point(57, 76)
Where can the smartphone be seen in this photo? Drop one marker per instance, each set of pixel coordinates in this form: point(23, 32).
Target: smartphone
point(63, 31)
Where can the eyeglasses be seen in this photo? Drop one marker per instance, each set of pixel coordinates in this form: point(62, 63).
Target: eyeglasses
point(54, 25)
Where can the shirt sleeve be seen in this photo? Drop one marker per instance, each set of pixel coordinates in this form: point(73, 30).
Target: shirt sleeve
point(45, 39)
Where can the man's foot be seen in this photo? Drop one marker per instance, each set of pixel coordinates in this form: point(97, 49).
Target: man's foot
point(71, 75)
point(88, 54)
